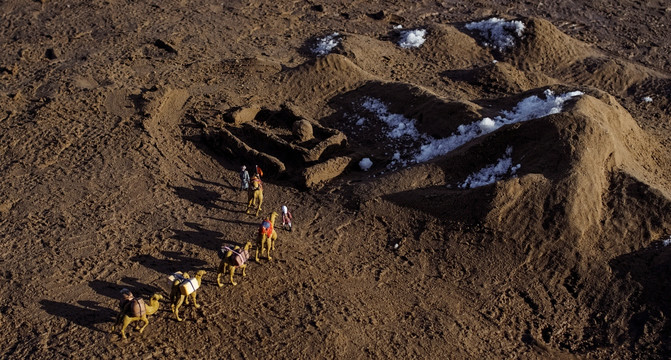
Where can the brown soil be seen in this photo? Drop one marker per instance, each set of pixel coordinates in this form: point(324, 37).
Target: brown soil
point(115, 174)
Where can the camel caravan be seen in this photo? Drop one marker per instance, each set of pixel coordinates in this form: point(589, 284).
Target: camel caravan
point(184, 288)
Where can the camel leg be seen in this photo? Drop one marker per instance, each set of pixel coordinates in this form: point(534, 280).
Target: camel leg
point(250, 204)
point(244, 268)
point(222, 270)
point(266, 246)
point(232, 271)
point(195, 304)
point(126, 320)
point(257, 254)
point(176, 308)
point(146, 322)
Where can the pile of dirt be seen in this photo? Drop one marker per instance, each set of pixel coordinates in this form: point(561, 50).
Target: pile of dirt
point(545, 49)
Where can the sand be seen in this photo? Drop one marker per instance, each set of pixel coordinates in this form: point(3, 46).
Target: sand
point(123, 126)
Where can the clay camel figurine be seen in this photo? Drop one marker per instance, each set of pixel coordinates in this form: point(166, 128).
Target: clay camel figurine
point(265, 240)
point(255, 195)
point(127, 317)
point(184, 288)
point(234, 258)
point(176, 279)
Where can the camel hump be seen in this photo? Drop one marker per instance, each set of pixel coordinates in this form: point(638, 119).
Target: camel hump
point(138, 307)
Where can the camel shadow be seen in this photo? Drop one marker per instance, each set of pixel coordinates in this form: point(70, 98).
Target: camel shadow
point(86, 314)
point(235, 206)
point(239, 222)
point(208, 182)
point(111, 290)
point(174, 261)
point(207, 239)
point(199, 195)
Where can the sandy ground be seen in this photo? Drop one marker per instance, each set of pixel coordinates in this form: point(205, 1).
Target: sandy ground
point(123, 126)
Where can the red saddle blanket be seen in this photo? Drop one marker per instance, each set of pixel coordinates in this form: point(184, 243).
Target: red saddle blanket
point(266, 228)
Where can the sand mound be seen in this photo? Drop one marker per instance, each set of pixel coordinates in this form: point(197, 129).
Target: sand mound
point(321, 79)
point(611, 75)
point(501, 78)
point(565, 149)
point(595, 140)
point(546, 49)
point(451, 48)
point(582, 172)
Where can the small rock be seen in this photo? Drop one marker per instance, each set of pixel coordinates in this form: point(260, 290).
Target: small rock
point(302, 130)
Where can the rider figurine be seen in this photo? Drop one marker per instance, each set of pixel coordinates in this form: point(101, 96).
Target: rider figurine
point(244, 178)
point(286, 218)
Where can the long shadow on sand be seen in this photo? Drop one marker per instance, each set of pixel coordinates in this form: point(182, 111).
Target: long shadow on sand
point(174, 261)
point(86, 314)
point(111, 290)
point(199, 195)
point(208, 182)
point(233, 221)
point(236, 206)
point(207, 239)
point(650, 268)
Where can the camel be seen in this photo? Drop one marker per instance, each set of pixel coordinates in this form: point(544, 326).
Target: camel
point(182, 289)
point(131, 315)
point(265, 240)
point(176, 279)
point(255, 195)
point(234, 258)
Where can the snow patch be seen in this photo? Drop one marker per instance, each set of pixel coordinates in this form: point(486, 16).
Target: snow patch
point(365, 164)
point(498, 33)
point(492, 173)
point(412, 38)
point(529, 108)
point(326, 44)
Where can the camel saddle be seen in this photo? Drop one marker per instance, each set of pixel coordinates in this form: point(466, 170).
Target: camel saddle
point(137, 307)
point(266, 228)
point(188, 286)
point(238, 258)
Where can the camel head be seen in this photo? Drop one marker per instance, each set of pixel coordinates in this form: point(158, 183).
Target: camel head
point(157, 297)
point(248, 245)
point(273, 217)
point(200, 273)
